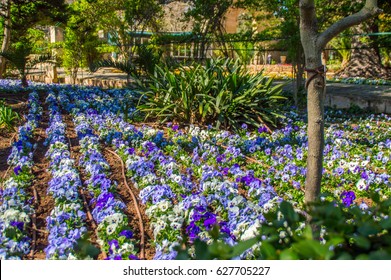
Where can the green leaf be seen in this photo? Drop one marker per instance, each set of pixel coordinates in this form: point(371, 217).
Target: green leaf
point(268, 251)
point(289, 213)
point(386, 223)
point(344, 256)
point(362, 242)
point(311, 249)
point(368, 228)
point(201, 250)
point(380, 255)
point(85, 249)
point(362, 257)
point(243, 246)
point(288, 254)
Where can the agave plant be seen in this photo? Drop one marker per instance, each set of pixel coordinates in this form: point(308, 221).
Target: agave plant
point(175, 94)
point(221, 93)
point(22, 59)
point(242, 97)
point(8, 117)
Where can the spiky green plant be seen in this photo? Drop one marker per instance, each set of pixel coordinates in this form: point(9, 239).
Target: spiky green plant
point(22, 59)
point(221, 93)
point(126, 66)
point(8, 117)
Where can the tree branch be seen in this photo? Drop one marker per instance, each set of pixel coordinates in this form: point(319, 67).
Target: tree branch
point(369, 10)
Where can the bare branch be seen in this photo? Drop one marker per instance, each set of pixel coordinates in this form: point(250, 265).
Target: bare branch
point(369, 10)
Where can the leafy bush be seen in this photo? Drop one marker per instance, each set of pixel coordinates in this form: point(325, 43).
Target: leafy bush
point(221, 93)
point(336, 232)
point(126, 66)
point(8, 117)
point(340, 232)
point(148, 57)
point(24, 61)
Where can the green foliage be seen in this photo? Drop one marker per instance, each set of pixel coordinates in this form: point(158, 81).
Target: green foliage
point(336, 232)
point(344, 233)
point(86, 250)
point(217, 249)
point(245, 51)
point(208, 17)
point(221, 93)
point(27, 14)
point(342, 45)
point(81, 45)
point(39, 42)
point(148, 57)
point(126, 66)
point(123, 20)
point(8, 118)
point(22, 59)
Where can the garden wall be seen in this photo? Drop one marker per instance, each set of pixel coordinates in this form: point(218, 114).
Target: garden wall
point(374, 98)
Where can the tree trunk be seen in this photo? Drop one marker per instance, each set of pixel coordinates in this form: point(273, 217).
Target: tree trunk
point(313, 43)
point(315, 100)
point(299, 71)
point(364, 60)
point(24, 81)
point(315, 130)
point(6, 34)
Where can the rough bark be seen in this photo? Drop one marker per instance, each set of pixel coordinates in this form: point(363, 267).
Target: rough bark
point(6, 13)
point(364, 59)
point(315, 100)
point(298, 68)
point(313, 43)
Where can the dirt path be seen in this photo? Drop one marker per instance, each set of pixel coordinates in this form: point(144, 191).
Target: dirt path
point(85, 196)
point(123, 193)
point(45, 203)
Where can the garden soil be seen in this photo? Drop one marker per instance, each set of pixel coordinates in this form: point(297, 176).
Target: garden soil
point(44, 203)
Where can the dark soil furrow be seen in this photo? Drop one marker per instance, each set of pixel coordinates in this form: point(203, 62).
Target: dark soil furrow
point(131, 212)
point(44, 203)
point(75, 154)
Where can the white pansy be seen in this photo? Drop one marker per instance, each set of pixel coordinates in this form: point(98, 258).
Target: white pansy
point(111, 229)
point(164, 205)
point(235, 210)
point(361, 185)
point(125, 248)
point(252, 231)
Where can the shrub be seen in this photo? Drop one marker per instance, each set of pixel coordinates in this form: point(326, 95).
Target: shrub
point(336, 232)
point(221, 93)
point(8, 117)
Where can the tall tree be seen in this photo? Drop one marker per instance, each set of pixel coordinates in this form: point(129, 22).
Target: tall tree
point(208, 17)
point(81, 38)
point(5, 12)
point(365, 58)
point(122, 19)
point(313, 43)
point(18, 16)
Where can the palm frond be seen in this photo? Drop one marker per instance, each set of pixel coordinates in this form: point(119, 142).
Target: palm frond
point(126, 66)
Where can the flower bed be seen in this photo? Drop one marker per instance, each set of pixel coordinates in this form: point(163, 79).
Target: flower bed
point(192, 179)
point(66, 223)
point(212, 164)
point(114, 234)
point(15, 209)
